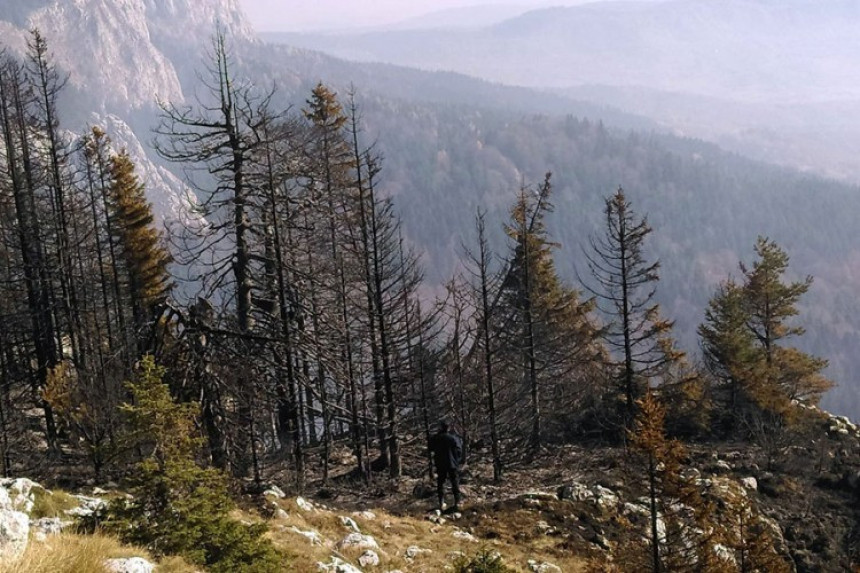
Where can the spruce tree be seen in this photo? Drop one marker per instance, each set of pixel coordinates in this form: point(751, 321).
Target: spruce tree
point(625, 282)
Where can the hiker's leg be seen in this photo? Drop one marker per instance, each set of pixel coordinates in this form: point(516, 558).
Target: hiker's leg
point(440, 487)
point(455, 485)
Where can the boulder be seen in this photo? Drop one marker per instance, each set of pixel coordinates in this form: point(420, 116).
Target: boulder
point(14, 533)
point(46, 526)
point(368, 515)
point(750, 483)
point(543, 567)
point(274, 491)
point(465, 536)
point(358, 541)
point(349, 523)
point(89, 505)
point(304, 504)
point(369, 559)
point(312, 536)
point(337, 566)
point(20, 492)
point(129, 565)
point(414, 551)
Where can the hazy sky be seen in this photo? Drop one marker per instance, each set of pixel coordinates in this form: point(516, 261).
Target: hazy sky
point(290, 15)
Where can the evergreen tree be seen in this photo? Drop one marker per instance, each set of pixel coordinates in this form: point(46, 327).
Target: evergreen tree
point(141, 247)
point(178, 507)
point(681, 528)
point(743, 340)
point(625, 287)
point(545, 326)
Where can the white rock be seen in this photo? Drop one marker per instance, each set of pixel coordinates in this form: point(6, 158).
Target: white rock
point(20, 491)
point(414, 551)
point(275, 491)
point(5, 500)
point(464, 535)
point(14, 532)
point(312, 536)
point(349, 523)
point(724, 465)
point(358, 541)
point(604, 497)
point(369, 559)
point(130, 565)
point(304, 504)
point(750, 483)
point(89, 505)
point(337, 566)
point(544, 527)
point(368, 515)
point(281, 514)
point(543, 567)
point(49, 525)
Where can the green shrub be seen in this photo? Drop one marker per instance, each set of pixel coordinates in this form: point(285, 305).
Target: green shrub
point(484, 561)
point(178, 507)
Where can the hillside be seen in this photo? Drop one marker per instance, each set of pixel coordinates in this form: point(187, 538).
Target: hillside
point(574, 508)
point(452, 143)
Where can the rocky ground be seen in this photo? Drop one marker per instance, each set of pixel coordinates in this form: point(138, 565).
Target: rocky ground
point(571, 508)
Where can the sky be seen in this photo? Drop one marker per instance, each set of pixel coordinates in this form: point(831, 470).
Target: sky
point(301, 15)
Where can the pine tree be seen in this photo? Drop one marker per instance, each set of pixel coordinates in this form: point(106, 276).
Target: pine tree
point(546, 326)
point(141, 247)
point(625, 287)
point(743, 340)
point(680, 529)
point(177, 506)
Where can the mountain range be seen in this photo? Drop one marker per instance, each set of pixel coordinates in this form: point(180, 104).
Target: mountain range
point(453, 143)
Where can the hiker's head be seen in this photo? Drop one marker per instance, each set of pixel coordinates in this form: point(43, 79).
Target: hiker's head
point(443, 425)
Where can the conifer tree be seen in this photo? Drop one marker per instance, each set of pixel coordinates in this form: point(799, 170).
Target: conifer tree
point(141, 247)
point(744, 334)
point(681, 528)
point(179, 507)
point(625, 283)
point(547, 327)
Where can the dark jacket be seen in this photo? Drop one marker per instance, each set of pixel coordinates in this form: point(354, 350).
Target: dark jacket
point(447, 449)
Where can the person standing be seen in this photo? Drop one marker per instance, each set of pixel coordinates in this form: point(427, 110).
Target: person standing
point(447, 449)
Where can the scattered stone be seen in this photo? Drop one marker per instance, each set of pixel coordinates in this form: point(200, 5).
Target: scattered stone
point(129, 565)
point(543, 567)
point(349, 523)
point(274, 491)
point(99, 491)
point(544, 527)
point(368, 515)
point(723, 466)
point(750, 483)
point(48, 526)
point(369, 559)
point(337, 566)
point(304, 504)
point(464, 535)
point(89, 505)
point(14, 532)
point(312, 536)
point(281, 514)
point(414, 551)
point(358, 541)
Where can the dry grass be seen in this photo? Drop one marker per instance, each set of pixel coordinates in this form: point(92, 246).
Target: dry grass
point(396, 533)
point(70, 553)
point(47, 503)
